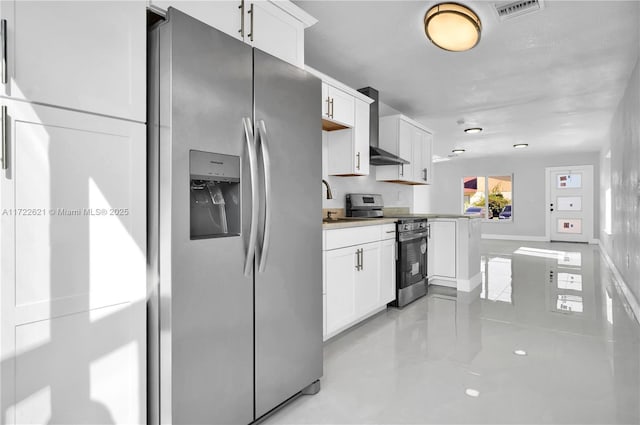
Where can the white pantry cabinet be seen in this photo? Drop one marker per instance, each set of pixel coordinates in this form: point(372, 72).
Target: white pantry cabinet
point(359, 274)
point(410, 141)
point(73, 266)
point(273, 26)
point(348, 149)
point(83, 55)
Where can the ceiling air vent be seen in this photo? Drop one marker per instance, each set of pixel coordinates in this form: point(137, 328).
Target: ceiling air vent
point(512, 9)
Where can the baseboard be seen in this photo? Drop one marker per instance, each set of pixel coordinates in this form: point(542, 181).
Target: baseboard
point(621, 284)
point(444, 281)
point(516, 238)
point(468, 285)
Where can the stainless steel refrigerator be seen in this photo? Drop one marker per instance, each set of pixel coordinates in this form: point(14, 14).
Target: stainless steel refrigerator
point(235, 271)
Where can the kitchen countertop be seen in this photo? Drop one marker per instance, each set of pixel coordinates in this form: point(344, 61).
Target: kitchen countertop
point(345, 222)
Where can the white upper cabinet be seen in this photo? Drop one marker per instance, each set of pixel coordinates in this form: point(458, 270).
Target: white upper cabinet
point(225, 15)
point(338, 106)
point(410, 141)
point(83, 55)
point(348, 149)
point(275, 27)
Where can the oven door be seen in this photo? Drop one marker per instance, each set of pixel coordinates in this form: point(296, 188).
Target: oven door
point(412, 258)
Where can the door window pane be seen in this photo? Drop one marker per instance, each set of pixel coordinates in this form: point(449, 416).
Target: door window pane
point(569, 203)
point(569, 181)
point(569, 225)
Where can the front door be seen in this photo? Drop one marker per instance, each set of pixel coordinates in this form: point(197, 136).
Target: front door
point(570, 203)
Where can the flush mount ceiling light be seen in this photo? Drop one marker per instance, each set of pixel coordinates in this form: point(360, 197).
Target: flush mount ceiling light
point(473, 130)
point(452, 26)
point(520, 145)
point(458, 151)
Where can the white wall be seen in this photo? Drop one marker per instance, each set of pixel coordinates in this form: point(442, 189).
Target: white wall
point(621, 173)
point(445, 195)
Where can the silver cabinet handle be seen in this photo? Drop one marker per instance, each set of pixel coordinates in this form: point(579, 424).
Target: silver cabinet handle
point(266, 165)
point(358, 161)
point(331, 106)
point(402, 170)
point(358, 259)
point(251, 23)
point(328, 106)
point(253, 167)
point(3, 48)
point(428, 231)
point(361, 258)
point(391, 231)
point(241, 30)
point(425, 174)
point(5, 161)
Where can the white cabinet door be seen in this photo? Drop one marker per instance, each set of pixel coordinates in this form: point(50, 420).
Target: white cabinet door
point(338, 106)
point(367, 285)
point(361, 138)
point(444, 235)
point(84, 55)
point(340, 267)
point(73, 258)
point(275, 31)
point(348, 149)
point(387, 271)
point(430, 248)
point(417, 145)
point(225, 15)
point(427, 160)
point(405, 150)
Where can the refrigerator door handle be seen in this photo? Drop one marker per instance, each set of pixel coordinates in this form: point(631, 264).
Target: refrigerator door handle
point(253, 167)
point(266, 163)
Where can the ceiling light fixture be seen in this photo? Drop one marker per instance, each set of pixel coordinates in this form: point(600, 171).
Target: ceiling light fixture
point(520, 353)
point(520, 145)
point(473, 130)
point(458, 151)
point(452, 26)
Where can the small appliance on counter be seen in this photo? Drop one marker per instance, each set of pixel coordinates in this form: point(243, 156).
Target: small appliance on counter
point(412, 234)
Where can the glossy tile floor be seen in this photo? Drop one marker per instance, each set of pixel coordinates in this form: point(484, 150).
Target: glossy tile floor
point(546, 339)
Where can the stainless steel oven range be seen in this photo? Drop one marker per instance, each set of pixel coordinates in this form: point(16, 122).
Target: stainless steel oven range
point(412, 233)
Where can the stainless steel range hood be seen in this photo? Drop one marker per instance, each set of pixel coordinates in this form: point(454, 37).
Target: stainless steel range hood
point(377, 156)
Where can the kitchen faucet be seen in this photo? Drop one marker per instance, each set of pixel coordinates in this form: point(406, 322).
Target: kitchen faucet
point(329, 194)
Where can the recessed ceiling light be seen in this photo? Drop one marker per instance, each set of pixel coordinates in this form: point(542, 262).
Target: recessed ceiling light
point(520, 353)
point(520, 145)
point(440, 159)
point(458, 151)
point(473, 130)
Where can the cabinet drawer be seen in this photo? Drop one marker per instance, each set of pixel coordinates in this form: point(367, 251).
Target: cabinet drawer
point(339, 238)
point(387, 231)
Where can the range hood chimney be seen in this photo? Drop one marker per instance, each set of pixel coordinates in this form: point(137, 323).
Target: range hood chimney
point(377, 156)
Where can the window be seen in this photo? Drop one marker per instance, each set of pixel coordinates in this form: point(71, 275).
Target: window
point(488, 196)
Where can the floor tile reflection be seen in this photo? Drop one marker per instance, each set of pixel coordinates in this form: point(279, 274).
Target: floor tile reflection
point(546, 338)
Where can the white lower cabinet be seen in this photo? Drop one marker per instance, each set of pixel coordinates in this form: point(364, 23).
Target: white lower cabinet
point(359, 279)
point(442, 248)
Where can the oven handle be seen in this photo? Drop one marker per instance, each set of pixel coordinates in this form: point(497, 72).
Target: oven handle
point(410, 236)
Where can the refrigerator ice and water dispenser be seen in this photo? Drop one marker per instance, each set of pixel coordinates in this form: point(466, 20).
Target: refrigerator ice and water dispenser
point(215, 195)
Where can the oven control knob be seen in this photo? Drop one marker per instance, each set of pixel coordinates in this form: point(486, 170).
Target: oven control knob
point(406, 227)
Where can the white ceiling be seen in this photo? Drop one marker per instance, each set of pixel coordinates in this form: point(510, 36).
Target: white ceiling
point(551, 79)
